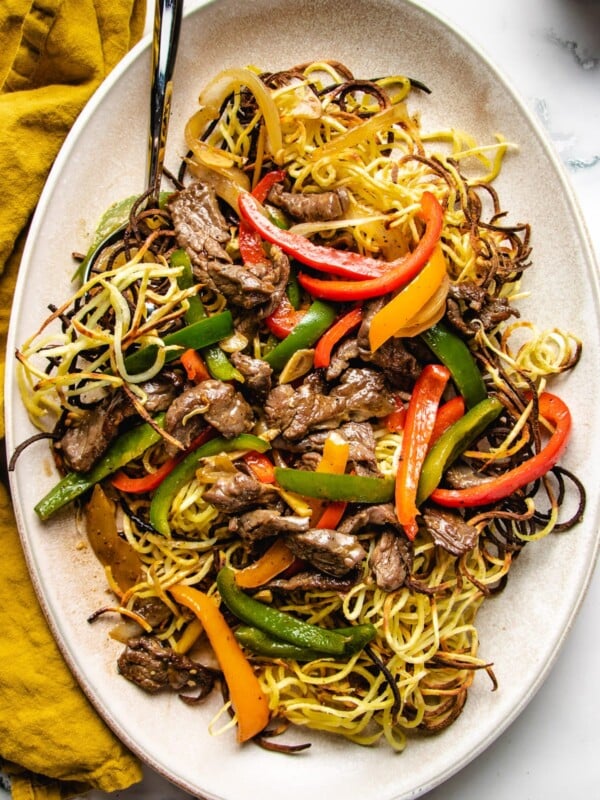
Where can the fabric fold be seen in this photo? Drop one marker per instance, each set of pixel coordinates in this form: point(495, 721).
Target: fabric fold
point(53, 56)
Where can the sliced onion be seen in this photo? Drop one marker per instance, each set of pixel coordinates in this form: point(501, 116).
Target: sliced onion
point(432, 312)
point(367, 129)
point(298, 365)
point(211, 101)
point(227, 184)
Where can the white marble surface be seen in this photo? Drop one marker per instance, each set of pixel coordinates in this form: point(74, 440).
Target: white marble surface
point(550, 51)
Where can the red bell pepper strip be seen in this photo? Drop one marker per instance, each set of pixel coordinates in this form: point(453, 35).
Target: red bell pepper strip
point(447, 415)
point(330, 338)
point(420, 421)
point(397, 273)
point(557, 413)
point(332, 515)
point(282, 321)
point(396, 420)
point(335, 262)
point(261, 466)
point(149, 482)
point(250, 242)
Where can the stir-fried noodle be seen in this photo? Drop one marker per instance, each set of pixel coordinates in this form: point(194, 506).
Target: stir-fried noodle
point(328, 132)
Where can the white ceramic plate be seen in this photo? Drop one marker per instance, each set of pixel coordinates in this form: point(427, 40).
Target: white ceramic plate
point(102, 161)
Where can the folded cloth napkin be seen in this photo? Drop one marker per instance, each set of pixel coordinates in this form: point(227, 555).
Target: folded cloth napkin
point(53, 55)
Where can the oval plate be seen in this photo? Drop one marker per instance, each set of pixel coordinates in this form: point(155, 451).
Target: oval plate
point(103, 160)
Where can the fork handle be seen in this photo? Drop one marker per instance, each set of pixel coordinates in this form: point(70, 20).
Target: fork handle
point(167, 24)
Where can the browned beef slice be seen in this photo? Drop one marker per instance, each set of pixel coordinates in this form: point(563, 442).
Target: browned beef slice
point(330, 551)
point(264, 523)
point(297, 411)
point(391, 560)
point(211, 401)
point(200, 227)
point(365, 393)
point(310, 207)
point(450, 531)
point(84, 442)
point(308, 581)
point(251, 285)
point(153, 667)
point(361, 452)
point(257, 376)
point(370, 517)
point(239, 492)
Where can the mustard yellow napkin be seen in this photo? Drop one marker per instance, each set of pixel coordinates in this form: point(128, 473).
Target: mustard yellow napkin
point(53, 55)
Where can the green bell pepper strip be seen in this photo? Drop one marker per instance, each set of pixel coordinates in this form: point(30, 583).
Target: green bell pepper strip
point(293, 291)
point(327, 486)
point(453, 442)
point(217, 363)
point(131, 444)
point(277, 623)
point(199, 334)
point(263, 644)
point(162, 500)
point(456, 356)
point(309, 329)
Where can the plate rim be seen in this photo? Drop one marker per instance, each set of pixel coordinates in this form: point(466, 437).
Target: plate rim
point(71, 140)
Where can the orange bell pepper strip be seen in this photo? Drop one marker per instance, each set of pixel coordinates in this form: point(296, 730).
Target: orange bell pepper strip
point(409, 301)
point(250, 243)
point(333, 460)
point(397, 273)
point(194, 366)
point(553, 409)
point(261, 465)
point(448, 413)
point(272, 562)
point(420, 422)
point(330, 338)
point(247, 697)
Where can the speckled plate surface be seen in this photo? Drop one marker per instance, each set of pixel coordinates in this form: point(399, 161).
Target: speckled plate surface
point(102, 161)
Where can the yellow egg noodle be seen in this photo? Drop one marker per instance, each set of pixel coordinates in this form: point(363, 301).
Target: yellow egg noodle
point(327, 131)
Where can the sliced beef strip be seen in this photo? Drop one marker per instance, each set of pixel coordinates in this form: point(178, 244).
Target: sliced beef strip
point(328, 550)
point(314, 581)
point(85, 441)
point(365, 393)
point(470, 306)
point(391, 560)
point(341, 358)
point(264, 523)
point(239, 492)
point(311, 207)
point(370, 516)
point(296, 412)
point(450, 531)
point(200, 228)
point(249, 286)
point(154, 667)
point(361, 451)
point(211, 401)
point(463, 476)
point(399, 364)
point(257, 376)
